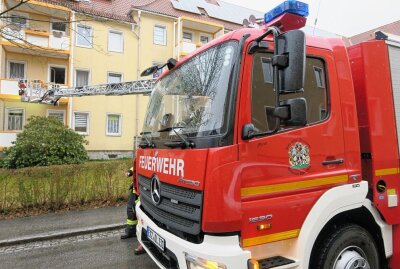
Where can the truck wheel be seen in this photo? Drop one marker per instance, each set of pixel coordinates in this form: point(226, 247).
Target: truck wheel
point(348, 247)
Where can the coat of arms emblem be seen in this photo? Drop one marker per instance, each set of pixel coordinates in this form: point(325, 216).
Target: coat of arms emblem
point(299, 156)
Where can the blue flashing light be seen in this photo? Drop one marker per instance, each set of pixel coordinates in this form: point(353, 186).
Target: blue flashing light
point(289, 6)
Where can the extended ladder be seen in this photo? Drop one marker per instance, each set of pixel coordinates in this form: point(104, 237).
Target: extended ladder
point(39, 92)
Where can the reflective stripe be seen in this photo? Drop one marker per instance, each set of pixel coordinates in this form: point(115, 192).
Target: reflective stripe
point(137, 201)
point(291, 186)
point(270, 238)
point(387, 171)
point(131, 222)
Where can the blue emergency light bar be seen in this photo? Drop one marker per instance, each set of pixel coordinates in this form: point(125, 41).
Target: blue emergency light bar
point(289, 6)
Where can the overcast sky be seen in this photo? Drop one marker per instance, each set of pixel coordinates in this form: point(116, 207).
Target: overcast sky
point(343, 17)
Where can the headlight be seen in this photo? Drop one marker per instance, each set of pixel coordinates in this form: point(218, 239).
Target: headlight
point(199, 263)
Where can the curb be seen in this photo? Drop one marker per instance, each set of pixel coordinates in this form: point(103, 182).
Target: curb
point(59, 234)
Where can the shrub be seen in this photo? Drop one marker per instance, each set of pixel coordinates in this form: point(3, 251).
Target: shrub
point(63, 185)
point(45, 141)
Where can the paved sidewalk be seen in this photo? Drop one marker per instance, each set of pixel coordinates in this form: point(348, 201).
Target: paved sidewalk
point(58, 225)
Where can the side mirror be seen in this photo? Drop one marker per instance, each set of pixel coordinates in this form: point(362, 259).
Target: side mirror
point(149, 71)
point(297, 112)
point(290, 59)
point(248, 131)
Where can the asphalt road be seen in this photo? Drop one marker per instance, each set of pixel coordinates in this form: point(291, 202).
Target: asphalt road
point(101, 250)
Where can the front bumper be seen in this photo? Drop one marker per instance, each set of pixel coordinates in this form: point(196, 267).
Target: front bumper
point(221, 249)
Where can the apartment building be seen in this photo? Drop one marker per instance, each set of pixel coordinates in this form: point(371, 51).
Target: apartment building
point(76, 43)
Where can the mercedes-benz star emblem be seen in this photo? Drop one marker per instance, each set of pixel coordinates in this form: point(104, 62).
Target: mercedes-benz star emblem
point(155, 190)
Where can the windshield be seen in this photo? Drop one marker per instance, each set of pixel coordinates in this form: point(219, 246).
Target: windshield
point(192, 99)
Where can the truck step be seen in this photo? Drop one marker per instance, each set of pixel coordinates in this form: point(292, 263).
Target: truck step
point(277, 262)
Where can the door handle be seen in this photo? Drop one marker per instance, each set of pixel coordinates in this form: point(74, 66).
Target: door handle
point(336, 161)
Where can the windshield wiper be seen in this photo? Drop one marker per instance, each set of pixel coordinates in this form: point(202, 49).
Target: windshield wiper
point(184, 143)
point(148, 143)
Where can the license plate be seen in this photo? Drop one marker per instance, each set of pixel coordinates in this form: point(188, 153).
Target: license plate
point(155, 238)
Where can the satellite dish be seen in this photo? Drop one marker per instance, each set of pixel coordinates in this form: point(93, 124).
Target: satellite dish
point(246, 23)
point(252, 19)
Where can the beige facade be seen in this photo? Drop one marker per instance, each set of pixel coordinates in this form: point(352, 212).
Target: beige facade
point(92, 50)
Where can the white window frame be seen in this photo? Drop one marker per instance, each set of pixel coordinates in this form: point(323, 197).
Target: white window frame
point(90, 35)
point(7, 109)
point(122, 40)
point(164, 43)
point(83, 69)
point(57, 66)
point(117, 73)
point(189, 32)
point(56, 111)
point(119, 124)
point(65, 33)
point(205, 35)
point(18, 62)
point(88, 123)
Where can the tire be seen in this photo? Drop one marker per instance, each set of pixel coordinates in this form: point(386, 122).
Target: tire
point(347, 247)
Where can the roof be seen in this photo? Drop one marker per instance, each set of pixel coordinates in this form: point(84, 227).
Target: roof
point(391, 28)
point(229, 15)
point(111, 9)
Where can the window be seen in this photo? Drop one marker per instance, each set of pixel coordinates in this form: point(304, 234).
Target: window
point(160, 35)
point(84, 36)
point(16, 70)
point(263, 96)
point(19, 20)
point(81, 123)
point(81, 78)
point(115, 41)
point(202, 11)
point(204, 39)
point(15, 118)
point(59, 26)
point(188, 37)
point(57, 114)
point(57, 75)
point(113, 124)
point(114, 78)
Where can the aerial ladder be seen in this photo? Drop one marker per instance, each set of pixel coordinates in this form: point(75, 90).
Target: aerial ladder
point(36, 91)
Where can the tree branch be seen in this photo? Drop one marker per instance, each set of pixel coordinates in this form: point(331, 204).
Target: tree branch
point(14, 7)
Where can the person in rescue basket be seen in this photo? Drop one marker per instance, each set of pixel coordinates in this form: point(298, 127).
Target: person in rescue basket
point(131, 222)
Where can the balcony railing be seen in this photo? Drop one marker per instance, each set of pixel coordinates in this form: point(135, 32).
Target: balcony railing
point(35, 39)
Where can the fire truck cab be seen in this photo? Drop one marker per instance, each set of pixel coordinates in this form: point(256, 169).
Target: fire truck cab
point(269, 149)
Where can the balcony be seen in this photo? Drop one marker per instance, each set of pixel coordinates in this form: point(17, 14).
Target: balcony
point(34, 91)
point(6, 138)
point(193, 33)
point(28, 41)
point(37, 33)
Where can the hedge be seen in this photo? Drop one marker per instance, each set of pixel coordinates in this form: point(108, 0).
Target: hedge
point(55, 186)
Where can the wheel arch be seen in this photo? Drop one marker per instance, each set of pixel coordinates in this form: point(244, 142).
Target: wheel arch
point(337, 204)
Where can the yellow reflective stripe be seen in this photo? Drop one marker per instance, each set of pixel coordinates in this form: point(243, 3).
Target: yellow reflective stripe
point(387, 171)
point(391, 192)
point(293, 185)
point(137, 201)
point(131, 222)
point(270, 238)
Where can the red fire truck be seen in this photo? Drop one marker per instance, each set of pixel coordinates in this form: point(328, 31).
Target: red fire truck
point(269, 149)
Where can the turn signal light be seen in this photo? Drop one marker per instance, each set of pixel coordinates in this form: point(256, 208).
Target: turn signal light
point(253, 264)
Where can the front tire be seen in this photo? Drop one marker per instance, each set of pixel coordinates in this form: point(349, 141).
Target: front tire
point(347, 247)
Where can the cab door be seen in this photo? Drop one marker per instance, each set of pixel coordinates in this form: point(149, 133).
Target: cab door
point(283, 174)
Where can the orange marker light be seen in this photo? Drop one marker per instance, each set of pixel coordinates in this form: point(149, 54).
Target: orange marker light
point(253, 264)
point(264, 226)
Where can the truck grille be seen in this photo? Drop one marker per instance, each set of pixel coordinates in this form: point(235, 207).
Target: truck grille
point(179, 209)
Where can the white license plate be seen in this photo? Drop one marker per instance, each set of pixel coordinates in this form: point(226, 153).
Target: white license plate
point(155, 238)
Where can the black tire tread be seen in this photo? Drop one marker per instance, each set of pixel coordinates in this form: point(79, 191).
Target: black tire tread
point(327, 242)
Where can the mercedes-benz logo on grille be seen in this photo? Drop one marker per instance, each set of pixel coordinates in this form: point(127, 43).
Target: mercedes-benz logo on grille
point(155, 190)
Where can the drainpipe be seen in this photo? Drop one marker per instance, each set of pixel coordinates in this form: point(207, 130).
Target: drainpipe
point(137, 77)
point(71, 68)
